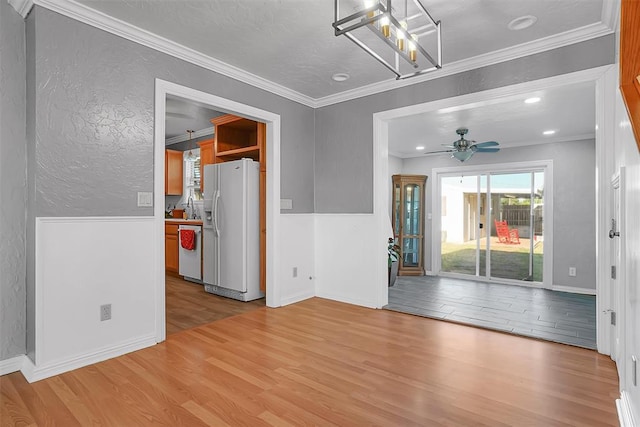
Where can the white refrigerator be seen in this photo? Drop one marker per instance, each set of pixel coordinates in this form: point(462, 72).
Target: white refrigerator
point(231, 230)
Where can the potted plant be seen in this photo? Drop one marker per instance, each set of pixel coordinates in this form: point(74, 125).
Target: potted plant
point(393, 258)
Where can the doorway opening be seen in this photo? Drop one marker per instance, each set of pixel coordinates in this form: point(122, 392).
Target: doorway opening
point(603, 84)
point(271, 188)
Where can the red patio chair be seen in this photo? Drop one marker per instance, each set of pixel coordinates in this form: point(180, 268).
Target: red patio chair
point(505, 234)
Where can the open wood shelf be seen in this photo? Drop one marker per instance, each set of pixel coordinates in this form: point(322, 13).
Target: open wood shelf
point(252, 152)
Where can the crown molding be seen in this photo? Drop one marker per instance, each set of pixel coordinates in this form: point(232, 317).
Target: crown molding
point(23, 7)
point(610, 14)
point(86, 15)
point(197, 134)
point(577, 35)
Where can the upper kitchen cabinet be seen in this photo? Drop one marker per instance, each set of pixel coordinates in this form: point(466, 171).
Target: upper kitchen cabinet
point(173, 172)
point(237, 138)
point(206, 157)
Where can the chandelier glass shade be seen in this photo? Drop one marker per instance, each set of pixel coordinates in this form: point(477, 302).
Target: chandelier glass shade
point(400, 35)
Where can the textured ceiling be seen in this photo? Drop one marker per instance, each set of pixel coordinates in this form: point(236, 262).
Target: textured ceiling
point(292, 43)
point(567, 110)
point(182, 114)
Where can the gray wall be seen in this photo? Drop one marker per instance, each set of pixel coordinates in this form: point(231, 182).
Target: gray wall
point(12, 183)
point(90, 103)
point(574, 202)
point(94, 109)
point(344, 132)
point(395, 168)
point(89, 129)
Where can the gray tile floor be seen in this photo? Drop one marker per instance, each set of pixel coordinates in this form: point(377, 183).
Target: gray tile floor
point(555, 316)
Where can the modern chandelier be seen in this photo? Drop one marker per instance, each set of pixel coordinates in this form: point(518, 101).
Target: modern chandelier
point(399, 37)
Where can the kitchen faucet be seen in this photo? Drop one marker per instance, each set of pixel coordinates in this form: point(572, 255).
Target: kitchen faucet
point(190, 211)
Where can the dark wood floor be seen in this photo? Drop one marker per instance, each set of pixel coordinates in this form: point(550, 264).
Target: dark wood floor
point(188, 305)
point(320, 362)
point(550, 315)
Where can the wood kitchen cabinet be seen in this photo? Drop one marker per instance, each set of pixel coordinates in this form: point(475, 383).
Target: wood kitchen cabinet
point(408, 222)
point(171, 244)
point(235, 138)
point(173, 173)
point(206, 158)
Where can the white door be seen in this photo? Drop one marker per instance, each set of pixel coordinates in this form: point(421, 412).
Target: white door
point(617, 289)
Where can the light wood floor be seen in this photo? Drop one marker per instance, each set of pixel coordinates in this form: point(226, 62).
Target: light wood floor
point(188, 305)
point(320, 362)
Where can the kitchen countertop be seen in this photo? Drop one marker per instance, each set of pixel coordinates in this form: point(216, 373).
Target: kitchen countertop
point(183, 221)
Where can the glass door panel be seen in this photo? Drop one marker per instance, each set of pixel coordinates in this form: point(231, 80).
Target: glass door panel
point(513, 239)
point(483, 215)
point(492, 225)
point(459, 224)
point(411, 252)
point(412, 210)
point(537, 240)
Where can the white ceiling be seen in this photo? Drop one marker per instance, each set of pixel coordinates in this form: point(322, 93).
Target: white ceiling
point(567, 110)
point(289, 47)
point(291, 42)
point(183, 115)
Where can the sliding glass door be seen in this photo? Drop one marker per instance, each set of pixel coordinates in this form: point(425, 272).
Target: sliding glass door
point(492, 225)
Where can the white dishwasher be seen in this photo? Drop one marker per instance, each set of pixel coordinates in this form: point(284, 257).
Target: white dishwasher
point(190, 260)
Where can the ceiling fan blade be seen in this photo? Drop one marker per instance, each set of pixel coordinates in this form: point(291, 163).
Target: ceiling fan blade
point(487, 150)
point(437, 152)
point(486, 144)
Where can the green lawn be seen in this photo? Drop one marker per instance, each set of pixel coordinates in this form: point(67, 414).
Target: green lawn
point(507, 261)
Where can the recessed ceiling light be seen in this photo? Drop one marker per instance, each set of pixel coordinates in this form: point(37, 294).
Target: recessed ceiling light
point(419, 147)
point(548, 132)
point(532, 100)
point(340, 77)
point(522, 22)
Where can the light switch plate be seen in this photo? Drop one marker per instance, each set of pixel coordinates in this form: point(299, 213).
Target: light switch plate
point(145, 199)
point(286, 204)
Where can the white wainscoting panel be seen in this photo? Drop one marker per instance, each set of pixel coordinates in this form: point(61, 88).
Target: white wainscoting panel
point(348, 258)
point(82, 263)
point(297, 243)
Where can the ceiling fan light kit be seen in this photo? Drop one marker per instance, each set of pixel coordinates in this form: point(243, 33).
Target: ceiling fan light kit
point(395, 37)
point(463, 149)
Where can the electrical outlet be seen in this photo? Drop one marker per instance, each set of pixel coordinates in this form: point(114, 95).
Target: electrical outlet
point(572, 271)
point(105, 312)
point(295, 271)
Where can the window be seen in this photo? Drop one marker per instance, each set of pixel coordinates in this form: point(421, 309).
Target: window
point(192, 174)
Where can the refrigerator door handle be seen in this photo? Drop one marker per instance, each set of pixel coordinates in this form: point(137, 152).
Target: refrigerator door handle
point(215, 213)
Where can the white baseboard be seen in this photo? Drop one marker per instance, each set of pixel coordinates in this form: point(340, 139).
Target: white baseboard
point(348, 300)
point(12, 365)
point(292, 299)
point(34, 373)
point(573, 290)
point(625, 413)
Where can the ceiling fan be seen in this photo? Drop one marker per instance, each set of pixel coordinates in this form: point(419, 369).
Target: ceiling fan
point(464, 149)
